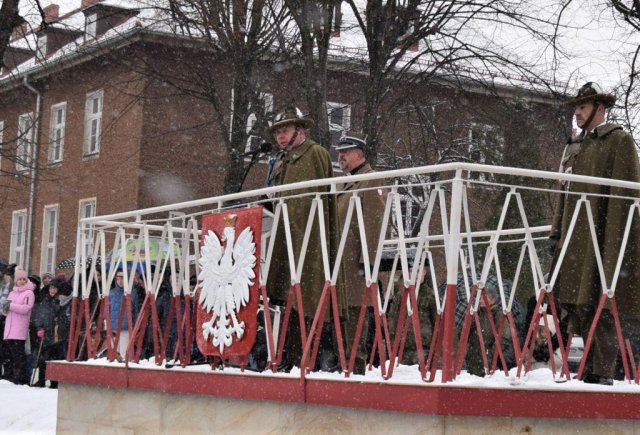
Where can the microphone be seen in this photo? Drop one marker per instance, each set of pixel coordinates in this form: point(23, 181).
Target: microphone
point(265, 147)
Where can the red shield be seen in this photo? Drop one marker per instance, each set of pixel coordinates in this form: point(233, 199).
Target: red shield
point(239, 347)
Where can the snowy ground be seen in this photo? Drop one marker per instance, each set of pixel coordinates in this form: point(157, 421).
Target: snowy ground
point(27, 410)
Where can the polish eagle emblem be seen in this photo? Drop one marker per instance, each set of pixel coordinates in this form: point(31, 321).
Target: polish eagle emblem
point(226, 275)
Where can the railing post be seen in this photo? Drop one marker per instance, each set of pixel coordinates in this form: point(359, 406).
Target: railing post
point(452, 252)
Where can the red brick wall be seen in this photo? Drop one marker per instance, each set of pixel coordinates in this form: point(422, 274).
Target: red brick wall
point(159, 147)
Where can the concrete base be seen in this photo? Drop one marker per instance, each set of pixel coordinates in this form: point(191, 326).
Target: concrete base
point(90, 409)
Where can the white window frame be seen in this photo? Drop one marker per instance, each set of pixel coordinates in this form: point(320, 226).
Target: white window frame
point(480, 145)
point(18, 237)
point(50, 221)
point(57, 132)
point(340, 128)
point(24, 143)
point(91, 26)
point(41, 47)
point(87, 208)
point(93, 122)
point(267, 101)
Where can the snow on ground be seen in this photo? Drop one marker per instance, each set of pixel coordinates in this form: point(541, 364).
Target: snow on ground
point(539, 379)
point(27, 410)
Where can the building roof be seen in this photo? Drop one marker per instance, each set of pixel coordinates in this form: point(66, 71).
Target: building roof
point(146, 18)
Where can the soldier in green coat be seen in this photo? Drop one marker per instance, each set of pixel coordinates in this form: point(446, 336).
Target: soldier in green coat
point(301, 159)
point(352, 160)
point(601, 150)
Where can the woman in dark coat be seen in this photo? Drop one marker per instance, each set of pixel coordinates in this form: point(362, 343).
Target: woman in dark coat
point(45, 320)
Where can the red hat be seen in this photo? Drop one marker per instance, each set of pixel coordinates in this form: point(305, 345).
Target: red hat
point(61, 277)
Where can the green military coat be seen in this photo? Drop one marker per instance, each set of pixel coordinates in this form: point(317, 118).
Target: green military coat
point(373, 211)
point(308, 161)
point(608, 152)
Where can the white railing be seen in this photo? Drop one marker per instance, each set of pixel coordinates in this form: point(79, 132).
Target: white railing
point(455, 230)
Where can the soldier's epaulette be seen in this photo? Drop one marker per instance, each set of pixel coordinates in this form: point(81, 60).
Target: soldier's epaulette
point(618, 127)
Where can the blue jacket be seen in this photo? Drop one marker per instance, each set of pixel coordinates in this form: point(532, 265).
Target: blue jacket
point(116, 298)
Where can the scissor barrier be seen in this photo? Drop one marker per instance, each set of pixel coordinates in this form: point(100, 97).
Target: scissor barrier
point(445, 233)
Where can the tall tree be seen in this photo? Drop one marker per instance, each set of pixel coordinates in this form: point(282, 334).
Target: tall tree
point(314, 21)
point(410, 42)
point(629, 11)
point(9, 18)
point(232, 37)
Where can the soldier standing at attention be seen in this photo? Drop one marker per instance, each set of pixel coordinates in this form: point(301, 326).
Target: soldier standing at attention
point(301, 159)
point(603, 150)
point(352, 151)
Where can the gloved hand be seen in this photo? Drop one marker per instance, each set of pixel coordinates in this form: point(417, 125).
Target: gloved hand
point(552, 245)
point(41, 333)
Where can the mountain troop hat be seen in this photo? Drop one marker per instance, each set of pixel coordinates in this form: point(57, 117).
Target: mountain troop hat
point(591, 91)
point(291, 115)
point(350, 141)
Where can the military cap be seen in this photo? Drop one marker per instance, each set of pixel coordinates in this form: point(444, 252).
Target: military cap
point(591, 91)
point(351, 140)
point(291, 115)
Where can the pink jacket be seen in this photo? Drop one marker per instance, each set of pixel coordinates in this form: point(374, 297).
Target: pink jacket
point(16, 326)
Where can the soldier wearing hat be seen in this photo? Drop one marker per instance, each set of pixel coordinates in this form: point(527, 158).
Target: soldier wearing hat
point(352, 152)
point(300, 159)
point(603, 149)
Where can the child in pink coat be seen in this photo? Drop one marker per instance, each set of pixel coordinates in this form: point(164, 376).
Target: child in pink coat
point(16, 328)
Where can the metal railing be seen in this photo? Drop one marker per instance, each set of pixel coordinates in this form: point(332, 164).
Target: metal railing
point(466, 235)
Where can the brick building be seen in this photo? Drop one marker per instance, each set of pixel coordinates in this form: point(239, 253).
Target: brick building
point(107, 137)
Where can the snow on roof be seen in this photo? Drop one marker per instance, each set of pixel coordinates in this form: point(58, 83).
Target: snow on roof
point(512, 42)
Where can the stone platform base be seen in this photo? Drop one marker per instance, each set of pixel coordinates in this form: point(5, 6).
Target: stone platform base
point(114, 398)
point(84, 409)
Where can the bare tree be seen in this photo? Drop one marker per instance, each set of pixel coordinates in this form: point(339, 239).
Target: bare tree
point(411, 42)
point(228, 38)
point(315, 23)
point(629, 11)
point(9, 18)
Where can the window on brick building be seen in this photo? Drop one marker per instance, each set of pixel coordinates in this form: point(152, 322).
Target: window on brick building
point(24, 143)
point(87, 209)
point(336, 21)
point(90, 26)
point(49, 239)
point(254, 140)
point(92, 122)
point(41, 47)
point(339, 123)
point(483, 144)
point(18, 232)
point(56, 132)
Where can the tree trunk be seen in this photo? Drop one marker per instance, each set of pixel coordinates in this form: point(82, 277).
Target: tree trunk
point(9, 18)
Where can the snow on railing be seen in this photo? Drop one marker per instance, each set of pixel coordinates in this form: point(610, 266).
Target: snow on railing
point(474, 256)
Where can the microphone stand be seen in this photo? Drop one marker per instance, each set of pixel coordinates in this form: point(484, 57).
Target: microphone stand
point(264, 148)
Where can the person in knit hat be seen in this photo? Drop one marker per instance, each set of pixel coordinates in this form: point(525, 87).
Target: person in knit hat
point(5, 288)
point(18, 310)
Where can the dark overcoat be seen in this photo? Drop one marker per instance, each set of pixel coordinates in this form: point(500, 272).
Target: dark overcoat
point(607, 152)
point(373, 210)
point(307, 161)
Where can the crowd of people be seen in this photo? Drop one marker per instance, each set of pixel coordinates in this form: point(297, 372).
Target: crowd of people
point(35, 317)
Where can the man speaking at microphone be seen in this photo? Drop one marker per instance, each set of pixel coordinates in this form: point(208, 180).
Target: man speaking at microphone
point(301, 159)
